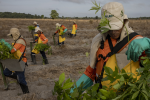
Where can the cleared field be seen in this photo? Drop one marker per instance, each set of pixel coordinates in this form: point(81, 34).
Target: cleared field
point(71, 59)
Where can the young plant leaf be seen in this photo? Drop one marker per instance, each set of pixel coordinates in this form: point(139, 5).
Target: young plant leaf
point(96, 7)
point(108, 70)
point(145, 96)
point(104, 92)
point(134, 96)
point(75, 93)
point(67, 97)
point(61, 78)
point(67, 85)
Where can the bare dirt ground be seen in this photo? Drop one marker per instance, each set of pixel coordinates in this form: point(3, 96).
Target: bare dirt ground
point(71, 59)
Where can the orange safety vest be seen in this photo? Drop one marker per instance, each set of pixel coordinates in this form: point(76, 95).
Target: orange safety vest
point(75, 26)
point(18, 54)
point(107, 49)
point(62, 27)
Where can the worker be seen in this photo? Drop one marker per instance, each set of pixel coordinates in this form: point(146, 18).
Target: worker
point(61, 29)
point(74, 29)
point(41, 39)
point(35, 36)
point(113, 49)
point(19, 48)
point(35, 26)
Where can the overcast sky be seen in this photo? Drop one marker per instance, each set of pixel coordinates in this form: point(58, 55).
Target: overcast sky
point(72, 8)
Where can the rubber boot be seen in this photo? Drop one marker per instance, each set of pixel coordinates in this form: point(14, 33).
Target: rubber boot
point(71, 35)
point(34, 59)
point(60, 45)
point(46, 61)
point(31, 58)
point(24, 88)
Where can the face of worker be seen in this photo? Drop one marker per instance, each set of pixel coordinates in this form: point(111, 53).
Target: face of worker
point(11, 36)
point(38, 32)
point(115, 34)
point(34, 25)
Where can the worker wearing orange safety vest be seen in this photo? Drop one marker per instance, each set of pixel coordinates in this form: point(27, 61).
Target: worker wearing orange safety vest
point(61, 29)
point(112, 48)
point(18, 50)
point(74, 29)
point(41, 39)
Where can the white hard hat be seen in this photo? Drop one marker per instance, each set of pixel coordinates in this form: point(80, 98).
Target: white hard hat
point(35, 23)
point(58, 25)
point(113, 10)
point(74, 21)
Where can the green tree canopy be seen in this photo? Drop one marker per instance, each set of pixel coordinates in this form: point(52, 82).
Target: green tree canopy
point(54, 14)
point(42, 16)
point(17, 15)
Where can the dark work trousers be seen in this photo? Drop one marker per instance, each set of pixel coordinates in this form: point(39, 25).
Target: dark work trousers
point(43, 54)
point(60, 43)
point(19, 74)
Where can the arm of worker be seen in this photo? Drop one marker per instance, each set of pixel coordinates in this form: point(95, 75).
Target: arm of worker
point(56, 32)
point(16, 47)
point(35, 40)
point(76, 26)
point(90, 73)
point(44, 38)
point(64, 28)
point(136, 47)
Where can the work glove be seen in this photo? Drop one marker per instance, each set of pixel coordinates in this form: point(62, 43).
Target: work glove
point(64, 30)
point(136, 47)
point(76, 31)
point(6, 44)
point(54, 33)
point(87, 82)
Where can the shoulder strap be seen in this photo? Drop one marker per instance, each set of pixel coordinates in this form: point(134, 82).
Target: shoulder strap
point(110, 43)
point(121, 44)
point(124, 42)
point(22, 56)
